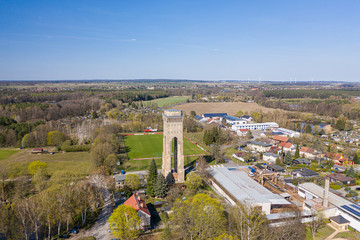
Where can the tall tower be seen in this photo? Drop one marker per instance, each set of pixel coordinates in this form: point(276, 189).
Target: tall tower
point(173, 129)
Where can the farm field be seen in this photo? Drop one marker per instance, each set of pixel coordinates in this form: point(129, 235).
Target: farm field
point(162, 102)
point(75, 162)
point(149, 146)
point(231, 108)
point(5, 153)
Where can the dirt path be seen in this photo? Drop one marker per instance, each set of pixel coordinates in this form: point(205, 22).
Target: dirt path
point(100, 228)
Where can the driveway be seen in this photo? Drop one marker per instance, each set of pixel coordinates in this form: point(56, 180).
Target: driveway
point(100, 229)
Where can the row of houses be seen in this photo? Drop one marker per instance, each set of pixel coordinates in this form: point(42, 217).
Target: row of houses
point(271, 148)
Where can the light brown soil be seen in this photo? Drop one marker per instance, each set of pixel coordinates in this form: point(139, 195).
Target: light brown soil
point(231, 108)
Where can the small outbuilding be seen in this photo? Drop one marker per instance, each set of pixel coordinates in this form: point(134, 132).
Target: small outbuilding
point(275, 168)
point(301, 161)
point(339, 222)
point(304, 173)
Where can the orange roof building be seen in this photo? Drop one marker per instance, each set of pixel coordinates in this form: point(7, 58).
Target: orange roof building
point(137, 203)
point(280, 138)
point(140, 206)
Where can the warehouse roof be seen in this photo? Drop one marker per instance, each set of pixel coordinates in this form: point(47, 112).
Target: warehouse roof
point(243, 188)
point(211, 115)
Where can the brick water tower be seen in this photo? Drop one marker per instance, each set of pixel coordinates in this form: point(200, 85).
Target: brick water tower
point(173, 129)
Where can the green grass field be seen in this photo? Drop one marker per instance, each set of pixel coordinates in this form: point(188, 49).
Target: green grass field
point(161, 102)
point(18, 162)
point(149, 146)
point(5, 153)
point(322, 233)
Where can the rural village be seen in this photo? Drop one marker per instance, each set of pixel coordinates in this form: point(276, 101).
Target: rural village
point(145, 160)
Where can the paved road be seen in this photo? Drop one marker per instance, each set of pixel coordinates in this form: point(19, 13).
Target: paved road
point(100, 228)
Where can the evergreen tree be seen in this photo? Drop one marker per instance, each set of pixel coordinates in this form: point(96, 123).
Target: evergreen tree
point(288, 158)
point(161, 186)
point(308, 129)
point(356, 159)
point(351, 172)
point(215, 134)
point(297, 152)
point(151, 181)
point(207, 138)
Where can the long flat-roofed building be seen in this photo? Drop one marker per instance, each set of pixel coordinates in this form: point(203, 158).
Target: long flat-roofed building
point(237, 187)
point(336, 205)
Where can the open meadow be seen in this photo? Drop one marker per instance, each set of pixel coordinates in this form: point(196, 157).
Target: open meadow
point(231, 108)
point(5, 153)
point(18, 161)
point(162, 102)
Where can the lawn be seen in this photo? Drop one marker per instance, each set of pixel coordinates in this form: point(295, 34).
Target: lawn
point(5, 153)
point(322, 233)
point(76, 162)
point(348, 235)
point(149, 146)
point(162, 102)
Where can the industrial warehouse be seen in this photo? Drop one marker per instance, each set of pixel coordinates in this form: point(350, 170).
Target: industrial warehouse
point(236, 186)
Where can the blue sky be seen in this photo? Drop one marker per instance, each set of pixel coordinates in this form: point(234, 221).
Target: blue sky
point(195, 39)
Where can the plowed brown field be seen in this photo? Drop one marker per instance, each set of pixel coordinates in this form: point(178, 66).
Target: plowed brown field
point(231, 108)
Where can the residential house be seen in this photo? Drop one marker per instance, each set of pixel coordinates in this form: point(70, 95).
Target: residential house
point(338, 158)
point(275, 168)
point(258, 146)
point(270, 157)
point(120, 180)
point(279, 138)
point(337, 177)
point(139, 205)
point(308, 152)
point(287, 147)
point(275, 149)
point(304, 173)
point(268, 141)
point(301, 161)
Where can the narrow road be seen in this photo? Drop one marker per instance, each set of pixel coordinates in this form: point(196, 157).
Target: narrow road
point(101, 226)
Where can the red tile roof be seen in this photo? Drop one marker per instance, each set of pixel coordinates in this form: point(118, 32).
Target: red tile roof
point(137, 203)
point(280, 138)
point(307, 150)
point(285, 145)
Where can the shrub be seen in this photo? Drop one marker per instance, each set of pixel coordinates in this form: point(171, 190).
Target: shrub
point(335, 186)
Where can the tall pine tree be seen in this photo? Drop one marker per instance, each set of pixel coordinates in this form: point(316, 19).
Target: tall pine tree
point(288, 158)
point(151, 181)
point(356, 159)
point(161, 186)
point(297, 152)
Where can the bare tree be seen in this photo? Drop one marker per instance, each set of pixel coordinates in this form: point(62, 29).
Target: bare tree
point(317, 221)
point(247, 222)
point(4, 174)
point(21, 213)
